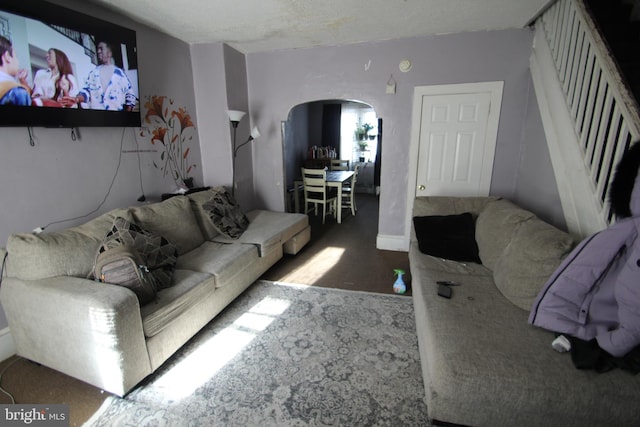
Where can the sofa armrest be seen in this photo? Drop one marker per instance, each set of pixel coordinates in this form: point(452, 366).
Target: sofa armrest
point(86, 329)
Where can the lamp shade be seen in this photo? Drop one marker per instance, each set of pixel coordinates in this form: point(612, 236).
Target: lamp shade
point(255, 133)
point(235, 115)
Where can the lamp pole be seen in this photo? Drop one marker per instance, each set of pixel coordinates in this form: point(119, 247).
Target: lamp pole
point(235, 117)
point(234, 123)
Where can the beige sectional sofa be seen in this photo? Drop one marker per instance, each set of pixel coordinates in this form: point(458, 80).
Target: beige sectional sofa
point(98, 332)
point(482, 363)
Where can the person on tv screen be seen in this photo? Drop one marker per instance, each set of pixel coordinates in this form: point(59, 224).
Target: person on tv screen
point(107, 87)
point(51, 85)
point(11, 91)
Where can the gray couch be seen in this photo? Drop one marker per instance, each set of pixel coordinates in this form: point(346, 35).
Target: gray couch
point(97, 332)
point(482, 363)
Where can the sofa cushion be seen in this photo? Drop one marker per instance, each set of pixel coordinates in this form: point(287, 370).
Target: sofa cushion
point(226, 214)
point(534, 253)
point(99, 226)
point(189, 288)
point(450, 205)
point(267, 228)
point(295, 244)
point(221, 260)
point(495, 226)
point(158, 254)
point(209, 231)
point(173, 219)
point(39, 256)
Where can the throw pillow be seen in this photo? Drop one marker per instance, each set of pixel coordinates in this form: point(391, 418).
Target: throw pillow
point(226, 214)
point(198, 199)
point(158, 253)
point(495, 226)
point(173, 219)
point(447, 236)
point(533, 254)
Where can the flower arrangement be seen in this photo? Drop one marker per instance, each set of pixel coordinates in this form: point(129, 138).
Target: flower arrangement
point(173, 130)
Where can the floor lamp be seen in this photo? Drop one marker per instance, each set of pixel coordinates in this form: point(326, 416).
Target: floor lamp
point(235, 116)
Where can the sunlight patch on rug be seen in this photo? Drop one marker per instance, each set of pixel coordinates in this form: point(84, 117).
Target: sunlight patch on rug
point(203, 363)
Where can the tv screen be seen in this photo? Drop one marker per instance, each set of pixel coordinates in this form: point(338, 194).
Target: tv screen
point(61, 68)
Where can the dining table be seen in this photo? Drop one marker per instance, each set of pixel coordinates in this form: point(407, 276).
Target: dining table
point(334, 179)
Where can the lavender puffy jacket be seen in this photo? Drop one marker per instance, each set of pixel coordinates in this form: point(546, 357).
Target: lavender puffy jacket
point(595, 292)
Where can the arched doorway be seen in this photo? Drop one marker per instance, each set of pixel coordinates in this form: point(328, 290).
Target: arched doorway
point(319, 130)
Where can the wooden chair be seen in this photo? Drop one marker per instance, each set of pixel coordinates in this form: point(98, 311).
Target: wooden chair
point(339, 165)
point(348, 192)
point(317, 192)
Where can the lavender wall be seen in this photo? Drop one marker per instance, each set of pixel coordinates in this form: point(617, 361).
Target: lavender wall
point(280, 80)
point(237, 99)
point(220, 83)
point(535, 186)
point(211, 103)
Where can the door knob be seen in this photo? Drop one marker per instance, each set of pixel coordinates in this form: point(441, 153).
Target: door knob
point(421, 187)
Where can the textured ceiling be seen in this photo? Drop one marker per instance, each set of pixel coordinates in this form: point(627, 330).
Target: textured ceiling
point(265, 25)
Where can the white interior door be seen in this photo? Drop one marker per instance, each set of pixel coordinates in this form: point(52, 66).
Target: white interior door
point(452, 145)
point(453, 139)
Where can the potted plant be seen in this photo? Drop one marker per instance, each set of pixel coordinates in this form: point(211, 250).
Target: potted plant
point(362, 147)
point(362, 131)
point(172, 129)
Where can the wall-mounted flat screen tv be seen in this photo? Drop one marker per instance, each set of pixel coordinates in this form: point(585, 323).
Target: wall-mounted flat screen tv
point(62, 68)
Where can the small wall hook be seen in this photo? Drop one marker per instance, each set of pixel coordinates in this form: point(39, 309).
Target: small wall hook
point(391, 85)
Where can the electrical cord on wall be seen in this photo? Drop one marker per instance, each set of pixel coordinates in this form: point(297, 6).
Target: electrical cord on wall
point(143, 197)
point(4, 263)
point(2, 389)
point(31, 141)
point(41, 229)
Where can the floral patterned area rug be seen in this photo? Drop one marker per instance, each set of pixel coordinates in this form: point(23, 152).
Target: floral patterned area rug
point(283, 355)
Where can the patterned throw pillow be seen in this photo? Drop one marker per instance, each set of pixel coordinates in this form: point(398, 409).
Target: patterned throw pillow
point(226, 214)
point(158, 253)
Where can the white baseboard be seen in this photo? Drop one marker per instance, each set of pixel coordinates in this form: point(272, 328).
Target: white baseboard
point(7, 348)
point(392, 243)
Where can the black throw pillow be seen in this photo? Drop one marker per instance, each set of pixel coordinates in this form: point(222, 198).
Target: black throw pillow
point(447, 236)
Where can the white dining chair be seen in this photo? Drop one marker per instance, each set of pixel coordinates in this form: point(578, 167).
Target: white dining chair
point(317, 192)
point(339, 165)
point(348, 192)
